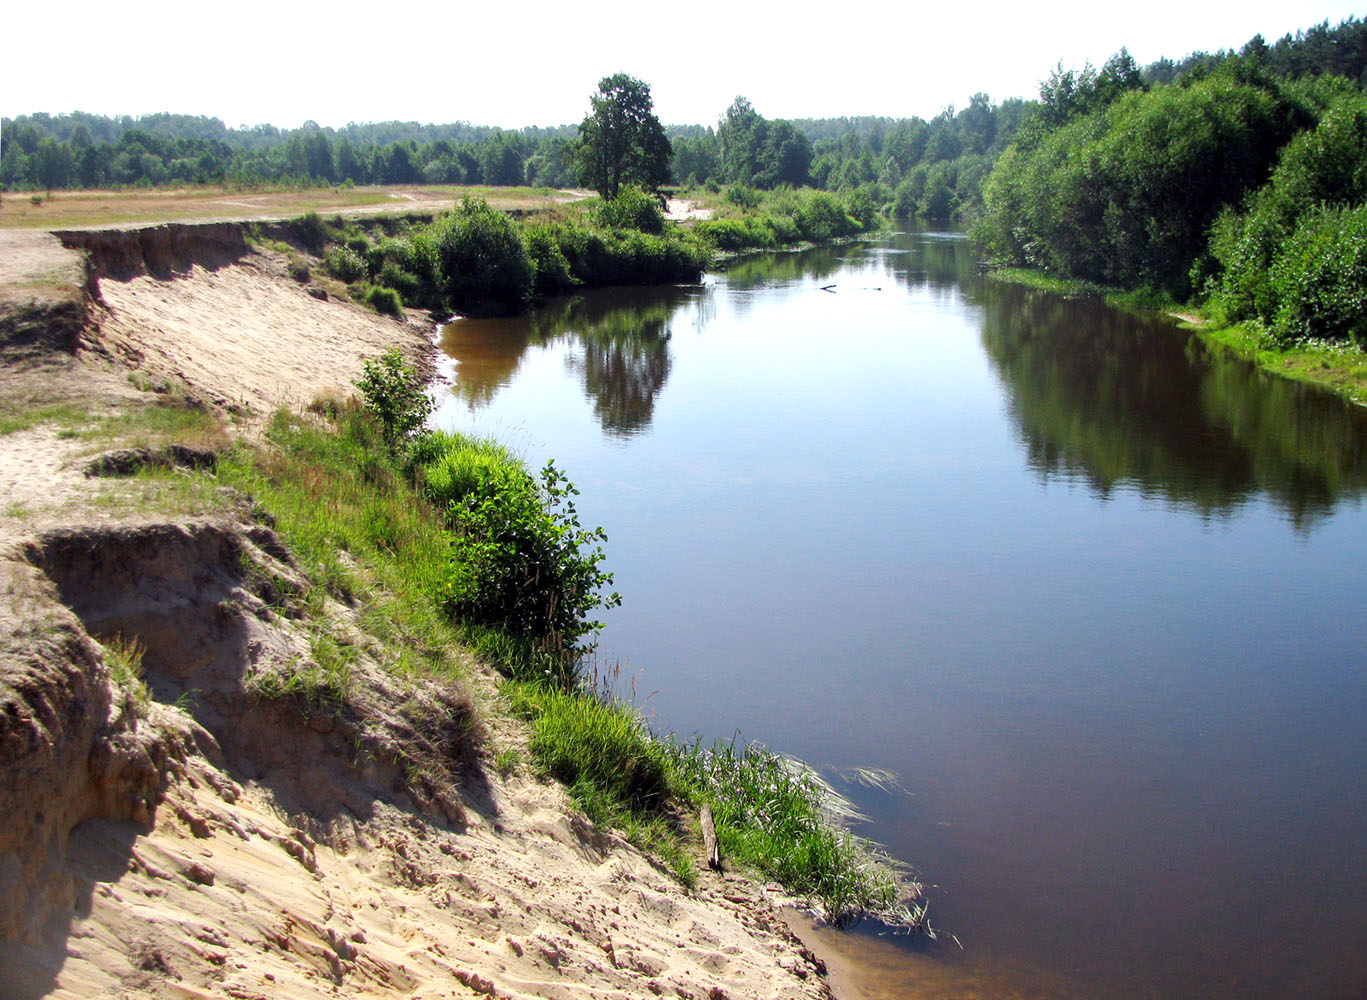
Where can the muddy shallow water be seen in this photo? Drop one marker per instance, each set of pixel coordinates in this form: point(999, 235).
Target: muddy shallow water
point(1091, 592)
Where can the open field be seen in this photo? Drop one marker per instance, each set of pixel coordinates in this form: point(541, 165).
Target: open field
point(136, 207)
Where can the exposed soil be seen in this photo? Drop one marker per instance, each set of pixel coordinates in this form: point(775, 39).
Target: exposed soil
point(206, 840)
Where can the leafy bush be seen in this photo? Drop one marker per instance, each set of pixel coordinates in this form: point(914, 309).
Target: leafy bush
point(394, 392)
point(625, 257)
point(1319, 281)
point(552, 269)
point(311, 231)
point(524, 564)
point(633, 208)
point(408, 286)
point(481, 260)
point(1323, 166)
point(345, 264)
point(742, 196)
point(1126, 195)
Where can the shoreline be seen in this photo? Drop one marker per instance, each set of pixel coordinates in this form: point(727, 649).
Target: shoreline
point(1333, 367)
point(174, 334)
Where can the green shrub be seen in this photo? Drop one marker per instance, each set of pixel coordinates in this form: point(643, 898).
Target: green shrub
point(552, 269)
point(408, 286)
point(524, 564)
point(742, 196)
point(625, 257)
point(1319, 281)
point(394, 393)
point(481, 259)
point(385, 301)
point(345, 264)
point(311, 231)
point(633, 208)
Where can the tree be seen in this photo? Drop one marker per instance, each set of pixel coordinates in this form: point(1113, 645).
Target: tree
point(621, 141)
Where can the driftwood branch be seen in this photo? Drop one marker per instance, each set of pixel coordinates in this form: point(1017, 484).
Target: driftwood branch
point(709, 839)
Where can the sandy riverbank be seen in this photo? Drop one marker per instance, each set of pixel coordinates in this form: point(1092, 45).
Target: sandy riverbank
point(211, 842)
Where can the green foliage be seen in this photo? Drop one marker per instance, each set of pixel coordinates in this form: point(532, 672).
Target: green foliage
point(742, 196)
point(394, 393)
point(525, 565)
point(482, 261)
point(345, 264)
point(407, 286)
point(312, 232)
point(1323, 167)
point(621, 141)
point(552, 269)
point(1126, 195)
point(385, 301)
point(598, 257)
point(1319, 279)
point(339, 499)
point(633, 208)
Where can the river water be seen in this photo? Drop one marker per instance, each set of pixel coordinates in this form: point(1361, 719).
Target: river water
point(1093, 593)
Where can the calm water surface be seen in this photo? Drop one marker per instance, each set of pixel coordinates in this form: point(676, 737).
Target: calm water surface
point(1093, 594)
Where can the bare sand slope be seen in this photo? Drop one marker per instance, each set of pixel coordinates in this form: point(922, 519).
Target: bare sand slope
point(246, 337)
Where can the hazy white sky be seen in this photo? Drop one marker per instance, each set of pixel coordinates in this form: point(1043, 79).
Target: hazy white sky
point(534, 63)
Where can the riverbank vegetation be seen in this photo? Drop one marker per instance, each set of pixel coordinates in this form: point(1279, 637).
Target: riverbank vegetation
point(476, 260)
point(1237, 187)
point(447, 540)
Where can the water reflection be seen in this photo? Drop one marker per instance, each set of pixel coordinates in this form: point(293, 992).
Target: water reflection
point(1113, 399)
point(1122, 401)
point(620, 341)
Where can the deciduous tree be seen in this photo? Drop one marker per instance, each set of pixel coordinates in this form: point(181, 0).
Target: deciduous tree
point(621, 141)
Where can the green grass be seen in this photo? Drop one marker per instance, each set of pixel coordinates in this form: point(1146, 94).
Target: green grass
point(1340, 367)
point(62, 414)
point(124, 659)
point(773, 816)
point(359, 530)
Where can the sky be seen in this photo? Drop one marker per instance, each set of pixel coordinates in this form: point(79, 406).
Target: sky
point(535, 63)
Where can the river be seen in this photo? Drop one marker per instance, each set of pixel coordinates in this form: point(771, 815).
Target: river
point(1091, 591)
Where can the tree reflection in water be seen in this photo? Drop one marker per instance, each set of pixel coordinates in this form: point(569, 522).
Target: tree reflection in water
point(619, 340)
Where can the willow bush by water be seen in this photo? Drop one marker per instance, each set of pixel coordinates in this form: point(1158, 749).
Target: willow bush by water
point(522, 563)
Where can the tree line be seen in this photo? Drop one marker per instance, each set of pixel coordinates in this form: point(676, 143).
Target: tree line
point(936, 169)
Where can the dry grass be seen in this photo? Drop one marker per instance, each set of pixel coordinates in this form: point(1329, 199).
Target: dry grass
point(84, 209)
